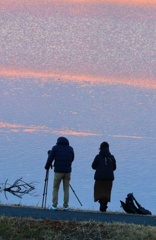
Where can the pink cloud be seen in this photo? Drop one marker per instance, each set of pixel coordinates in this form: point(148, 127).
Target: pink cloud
point(44, 77)
point(11, 127)
point(34, 4)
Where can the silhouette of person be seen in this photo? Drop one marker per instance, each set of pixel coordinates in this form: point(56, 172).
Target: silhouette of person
point(62, 154)
point(104, 165)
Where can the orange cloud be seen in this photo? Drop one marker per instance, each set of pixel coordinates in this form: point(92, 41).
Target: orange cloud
point(44, 77)
point(34, 4)
point(121, 2)
point(132, 137)
point(126, 136)
point(10, 127)
point(43, 2)
point(17, 128)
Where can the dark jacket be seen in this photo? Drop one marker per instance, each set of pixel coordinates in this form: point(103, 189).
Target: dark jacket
point(62, 154)
point(105, 165)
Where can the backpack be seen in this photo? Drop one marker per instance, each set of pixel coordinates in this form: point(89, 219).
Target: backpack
point(132, 206)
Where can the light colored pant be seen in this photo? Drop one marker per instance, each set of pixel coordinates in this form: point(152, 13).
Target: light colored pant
point(58, 177)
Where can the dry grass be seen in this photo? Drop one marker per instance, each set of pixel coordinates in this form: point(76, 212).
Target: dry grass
point(12, 228)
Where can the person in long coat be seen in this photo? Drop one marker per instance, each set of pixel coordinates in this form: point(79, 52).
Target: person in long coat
point(104, 165)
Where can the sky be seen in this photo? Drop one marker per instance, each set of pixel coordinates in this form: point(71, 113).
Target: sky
point(106, 53)
point(97, 41)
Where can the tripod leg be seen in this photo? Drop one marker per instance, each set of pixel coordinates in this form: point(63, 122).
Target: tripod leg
point(45, 190)
point(75, 194)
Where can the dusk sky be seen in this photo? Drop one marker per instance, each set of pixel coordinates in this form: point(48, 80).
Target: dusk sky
point(83, 42)
point(86, 70)
point(97, 41)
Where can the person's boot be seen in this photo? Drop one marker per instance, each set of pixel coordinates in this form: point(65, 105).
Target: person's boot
point(103, 205)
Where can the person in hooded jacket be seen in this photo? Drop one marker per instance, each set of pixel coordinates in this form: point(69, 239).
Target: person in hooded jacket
point(104, 165)
point(62, 154)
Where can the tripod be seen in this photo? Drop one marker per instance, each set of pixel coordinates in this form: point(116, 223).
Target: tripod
point(75, 194)
point(44, 199)
point(46, 188)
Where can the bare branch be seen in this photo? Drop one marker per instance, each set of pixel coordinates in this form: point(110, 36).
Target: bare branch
point(18, 188)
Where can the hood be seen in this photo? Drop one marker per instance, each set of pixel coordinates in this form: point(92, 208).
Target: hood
point(62, 141)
